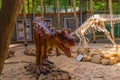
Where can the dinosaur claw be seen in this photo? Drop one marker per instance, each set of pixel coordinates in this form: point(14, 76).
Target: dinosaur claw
point(47, 62)
point(50, 62)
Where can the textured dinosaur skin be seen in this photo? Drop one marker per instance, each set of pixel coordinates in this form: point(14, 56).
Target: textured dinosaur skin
point(46, 37)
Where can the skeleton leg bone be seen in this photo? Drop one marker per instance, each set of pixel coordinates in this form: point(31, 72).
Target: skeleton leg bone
point(85, 43)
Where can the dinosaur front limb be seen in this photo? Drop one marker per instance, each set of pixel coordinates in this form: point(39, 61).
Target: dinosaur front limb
point(109, 37)
point(112, 30)
point(107, 33)
point(86, 46)
point(94, 36)
point(57, 52)
point(46, 62)
point(39, 68)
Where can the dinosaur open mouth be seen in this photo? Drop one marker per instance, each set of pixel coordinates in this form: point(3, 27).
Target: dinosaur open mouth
point(64, 48)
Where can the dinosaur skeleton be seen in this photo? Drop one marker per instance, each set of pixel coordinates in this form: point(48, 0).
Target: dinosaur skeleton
point(96, 22)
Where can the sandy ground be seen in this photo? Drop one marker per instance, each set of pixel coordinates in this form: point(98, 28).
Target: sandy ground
point(14, 67)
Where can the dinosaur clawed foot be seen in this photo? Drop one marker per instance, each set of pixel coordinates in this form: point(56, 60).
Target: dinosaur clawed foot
point(37, 70)
point(42, 70)
point(47, 62)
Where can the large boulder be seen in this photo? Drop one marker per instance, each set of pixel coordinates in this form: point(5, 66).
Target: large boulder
point(96, 59)
point(105, 61)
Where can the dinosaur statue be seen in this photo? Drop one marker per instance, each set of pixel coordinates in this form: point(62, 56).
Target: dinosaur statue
point(45, 38)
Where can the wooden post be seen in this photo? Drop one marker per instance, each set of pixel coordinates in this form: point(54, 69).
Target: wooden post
point(80, 12)
point(41, 8)
point(87, 4)
point(28, 6)
point(87, 15)
point(0, 3)
point(25, 24)
point(75, 15)
point(92, 12)
point(111, 23)
point(91, 7)
point(58, 13)
point(33, 8)
point(106, 7)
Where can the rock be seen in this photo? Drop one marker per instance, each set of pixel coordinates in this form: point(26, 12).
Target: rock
point(93, 53)
point(107, 56)
point(84, 51)
point(30, 52)
point(10, 53)
point(115, 54)
point(96, 59)
point(113, 60)
point(87, 58)
point(118, 57)
point(105, 61)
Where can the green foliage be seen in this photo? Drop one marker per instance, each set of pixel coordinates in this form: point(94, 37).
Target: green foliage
point(99, 5)
point(67, 4)
point(0, 3)
point(116, 8)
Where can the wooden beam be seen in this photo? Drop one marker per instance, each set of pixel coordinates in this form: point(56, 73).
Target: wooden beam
point(58, 13)
point(33, 8)
point(41, 8)
point(106, 7)
point(91, 7)
point(75, 15)
point(74, 7)
point(25, 23)
point(87, 5)
point(28, 6)
point(111, 23)
point(80, 12)
point(110, 7)
point(92, 12)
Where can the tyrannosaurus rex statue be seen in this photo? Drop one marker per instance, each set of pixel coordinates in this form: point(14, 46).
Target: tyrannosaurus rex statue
point(45, 37)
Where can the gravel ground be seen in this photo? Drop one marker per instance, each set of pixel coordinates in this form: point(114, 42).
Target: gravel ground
point(14, 67)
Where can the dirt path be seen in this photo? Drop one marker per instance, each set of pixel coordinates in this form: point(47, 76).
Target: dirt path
point(14, 67)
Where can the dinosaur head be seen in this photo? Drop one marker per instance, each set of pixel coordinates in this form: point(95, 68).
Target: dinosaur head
point(64, 41)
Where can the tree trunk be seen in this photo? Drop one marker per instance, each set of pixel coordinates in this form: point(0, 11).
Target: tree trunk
point(8, 15)
point(58, 13)
point(81, 12)
point(28, 6)
point(92, 12)
point(111, 23)
point(25, 24)
point(75, 14)
point(41, 8)
point(33, 8)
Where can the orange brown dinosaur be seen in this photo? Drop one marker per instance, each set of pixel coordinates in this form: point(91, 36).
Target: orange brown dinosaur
point(45, 38)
